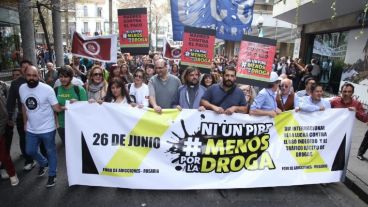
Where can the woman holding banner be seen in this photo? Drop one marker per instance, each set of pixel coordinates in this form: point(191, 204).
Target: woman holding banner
point(117, 93)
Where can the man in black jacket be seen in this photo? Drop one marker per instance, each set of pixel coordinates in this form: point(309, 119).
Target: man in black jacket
point(14, 108)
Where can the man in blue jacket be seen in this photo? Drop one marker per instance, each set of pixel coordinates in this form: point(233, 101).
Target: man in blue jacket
point(189, 95)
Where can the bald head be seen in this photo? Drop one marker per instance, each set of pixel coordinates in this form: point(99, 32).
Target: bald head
point(286, 85)
point(160, 67)
point(50, 66)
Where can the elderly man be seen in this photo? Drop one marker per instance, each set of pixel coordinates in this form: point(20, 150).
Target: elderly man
point(286, 99)
point(38, 105)
point(225, 97)
point(346, 101)
point(265, 102)
point(51, 74)
point(282, 66)
point(162, 87)
point(314, 102)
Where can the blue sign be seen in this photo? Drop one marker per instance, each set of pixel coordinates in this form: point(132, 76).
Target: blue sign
point(230, 18)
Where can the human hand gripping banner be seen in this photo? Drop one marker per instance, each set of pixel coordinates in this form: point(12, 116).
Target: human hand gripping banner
point(118, 146)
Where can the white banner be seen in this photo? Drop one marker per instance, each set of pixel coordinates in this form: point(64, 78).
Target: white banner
point(119, 146)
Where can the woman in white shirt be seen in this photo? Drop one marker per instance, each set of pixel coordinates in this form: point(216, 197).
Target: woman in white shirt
point(138, 89)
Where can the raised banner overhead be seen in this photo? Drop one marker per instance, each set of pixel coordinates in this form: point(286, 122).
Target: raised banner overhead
point(133, 31)
point(101, 48)
point(118, 146)
point(256, 56)
point(198, 48)
point(230, 19)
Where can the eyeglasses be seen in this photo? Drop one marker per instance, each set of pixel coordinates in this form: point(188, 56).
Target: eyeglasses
point(97, 74)
point(138, 76)
point(284, 86)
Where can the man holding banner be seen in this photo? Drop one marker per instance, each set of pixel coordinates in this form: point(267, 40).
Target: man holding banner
point(346, 101)
point(189, 95)
point(265, 102)
point(225, 97)
point(162, 87)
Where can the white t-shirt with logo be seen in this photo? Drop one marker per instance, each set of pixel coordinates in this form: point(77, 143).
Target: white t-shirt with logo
point(38, 102)
point(141, 94)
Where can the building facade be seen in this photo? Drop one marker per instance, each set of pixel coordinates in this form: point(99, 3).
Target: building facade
point(264, 25)
point(10, 51)
point(332, 33)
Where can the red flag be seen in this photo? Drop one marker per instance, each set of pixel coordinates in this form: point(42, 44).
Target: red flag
point(171, 52)
point(101, 48)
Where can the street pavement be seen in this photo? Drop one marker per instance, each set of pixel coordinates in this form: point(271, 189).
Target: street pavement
point(31, 190)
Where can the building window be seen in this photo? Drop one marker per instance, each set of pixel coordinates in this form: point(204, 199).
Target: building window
point(85, 27)
point(85, 11)
point(99, 11)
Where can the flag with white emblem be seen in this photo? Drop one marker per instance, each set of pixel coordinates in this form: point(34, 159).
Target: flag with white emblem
point(100, 48)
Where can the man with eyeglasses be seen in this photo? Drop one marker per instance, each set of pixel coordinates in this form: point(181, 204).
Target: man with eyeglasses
point(346, 100)
point(286, 99)
point(162, 87)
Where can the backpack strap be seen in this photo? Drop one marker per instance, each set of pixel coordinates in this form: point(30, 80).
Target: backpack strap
point(56, 89)
point(228, 93)
point(76, 90)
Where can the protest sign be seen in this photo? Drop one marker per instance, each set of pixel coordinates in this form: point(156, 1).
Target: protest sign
point(133, 31)
point(256, 56)
point(198, 47)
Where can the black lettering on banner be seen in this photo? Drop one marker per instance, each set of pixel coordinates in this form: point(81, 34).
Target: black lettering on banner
point(100, 139)
point(223, 148)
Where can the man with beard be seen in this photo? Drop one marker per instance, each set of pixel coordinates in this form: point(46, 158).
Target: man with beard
point(346, 101)
point(38, 105)
point(162, 87)
point(265, 102)
point(314, 102)
point(225, 97)
point(189, 95)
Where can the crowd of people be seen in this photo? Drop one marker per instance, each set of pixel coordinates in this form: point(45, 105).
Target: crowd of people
point(148, 81)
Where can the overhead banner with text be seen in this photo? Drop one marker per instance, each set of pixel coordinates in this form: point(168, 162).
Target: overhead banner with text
point(198, 47)
point(118, 146)
point(133, 31)
point(256, 56)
